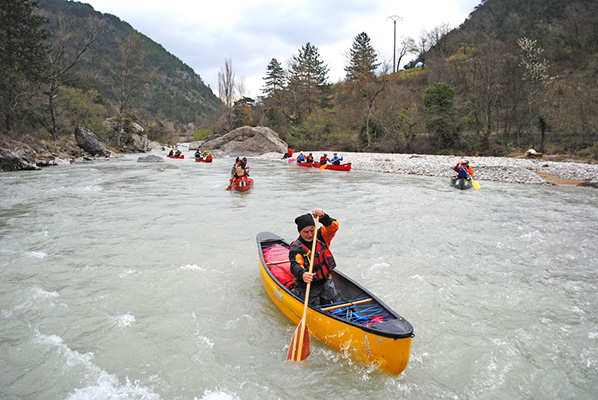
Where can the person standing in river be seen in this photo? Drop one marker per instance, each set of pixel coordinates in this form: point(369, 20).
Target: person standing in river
point(322, 289)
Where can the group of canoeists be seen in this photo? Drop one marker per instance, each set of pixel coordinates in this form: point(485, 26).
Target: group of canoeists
point(335, 160)
point(201, 155)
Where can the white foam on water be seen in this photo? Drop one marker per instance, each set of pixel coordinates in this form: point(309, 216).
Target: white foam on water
point(192, 267)
point(129, 271)
point(37, 254)
point(101, 385)
point(204, 340)
point(218, 395)
point(40, 294)
point(124, 320)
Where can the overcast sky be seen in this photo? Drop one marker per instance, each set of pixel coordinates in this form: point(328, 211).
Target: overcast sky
point(203, 33)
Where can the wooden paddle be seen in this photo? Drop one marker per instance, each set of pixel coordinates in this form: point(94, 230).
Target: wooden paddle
point(300, 346)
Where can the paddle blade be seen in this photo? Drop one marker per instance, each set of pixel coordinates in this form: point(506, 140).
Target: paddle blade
point(324, 166)
point(475, 184)
point(291, 160)
point(300, 346)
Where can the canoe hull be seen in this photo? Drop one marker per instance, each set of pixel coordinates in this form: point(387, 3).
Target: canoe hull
point(386, 345)
point(461, 183)
point(242, 184)
point(305, 164)
point(178, 157)
point(207, 159)
point(341, 167)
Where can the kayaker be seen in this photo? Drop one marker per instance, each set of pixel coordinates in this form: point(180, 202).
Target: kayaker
point(336, 160)
point(463, 170)
point(324, 159)
point(322, 289)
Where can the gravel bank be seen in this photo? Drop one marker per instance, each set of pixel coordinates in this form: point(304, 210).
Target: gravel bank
point(503, 169)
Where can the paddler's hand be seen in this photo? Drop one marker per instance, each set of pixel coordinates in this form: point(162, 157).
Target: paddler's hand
point(318, 212)
point(307, 277)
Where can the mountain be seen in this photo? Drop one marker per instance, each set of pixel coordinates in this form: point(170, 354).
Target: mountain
point(171, 92)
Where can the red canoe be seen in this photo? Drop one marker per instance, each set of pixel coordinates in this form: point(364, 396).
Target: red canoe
point(242, 184)
point(305, 164)
point(207, 159)
point(179, 157)
point(341, 167)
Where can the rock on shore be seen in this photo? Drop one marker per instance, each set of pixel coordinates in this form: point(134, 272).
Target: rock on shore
point(503, 169)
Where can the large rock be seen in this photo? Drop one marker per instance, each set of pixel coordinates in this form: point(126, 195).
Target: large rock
point(90, 142)
point(248, 141)
point(151, 158)
point(15, 161)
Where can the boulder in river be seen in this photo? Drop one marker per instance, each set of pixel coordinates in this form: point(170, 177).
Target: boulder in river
point(151, 158)
point(89, 142)
point(247, 140)
point(15, 161)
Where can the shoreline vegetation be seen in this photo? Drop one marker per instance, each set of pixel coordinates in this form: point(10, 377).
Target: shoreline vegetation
point(501, 169)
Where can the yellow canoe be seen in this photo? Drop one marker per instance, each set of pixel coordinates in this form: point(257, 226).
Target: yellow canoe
point(365, 327)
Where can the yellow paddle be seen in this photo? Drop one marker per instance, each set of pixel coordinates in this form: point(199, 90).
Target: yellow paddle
point(323, 166)
point(475, 184)
point(300, 346)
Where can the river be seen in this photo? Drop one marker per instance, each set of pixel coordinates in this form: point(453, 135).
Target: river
point(127, 280)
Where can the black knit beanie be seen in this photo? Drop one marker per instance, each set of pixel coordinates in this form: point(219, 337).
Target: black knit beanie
point(304, 220)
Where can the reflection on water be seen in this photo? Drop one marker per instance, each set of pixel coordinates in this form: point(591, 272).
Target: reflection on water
point(130, 280)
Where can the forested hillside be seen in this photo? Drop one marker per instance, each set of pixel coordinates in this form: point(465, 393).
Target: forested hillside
point(517, 74)
point(94, 66)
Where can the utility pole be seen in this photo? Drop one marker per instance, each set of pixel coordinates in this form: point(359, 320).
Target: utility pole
point(394, 52)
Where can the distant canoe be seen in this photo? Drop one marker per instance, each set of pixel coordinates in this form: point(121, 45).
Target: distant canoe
point(340, 167)
point(178, 157)
point(364, 327)
point(461, 183)
point(207, 159)
point(242, 184)
point(305, 164)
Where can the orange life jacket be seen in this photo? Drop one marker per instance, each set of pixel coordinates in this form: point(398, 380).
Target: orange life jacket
point(323, 260)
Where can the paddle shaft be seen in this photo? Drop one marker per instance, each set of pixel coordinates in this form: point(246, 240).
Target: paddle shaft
point(308, 287)
point(297, 352)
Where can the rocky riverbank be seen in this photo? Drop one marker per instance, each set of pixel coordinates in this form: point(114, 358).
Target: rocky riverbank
point(503, 169)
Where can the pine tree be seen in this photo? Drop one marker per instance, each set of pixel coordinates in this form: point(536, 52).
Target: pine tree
point(307, 81)
point(275, 78)
point(23, 53)
point(363, 59)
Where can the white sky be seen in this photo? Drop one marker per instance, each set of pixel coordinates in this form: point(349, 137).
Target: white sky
point(203, 33)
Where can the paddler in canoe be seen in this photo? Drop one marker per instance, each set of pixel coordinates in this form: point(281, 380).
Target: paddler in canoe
point(288, 154)
point(322, 289)
point(324, 159)
point(336, 160)
point(463, 170)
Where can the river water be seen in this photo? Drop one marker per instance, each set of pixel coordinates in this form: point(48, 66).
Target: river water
point(127, 280)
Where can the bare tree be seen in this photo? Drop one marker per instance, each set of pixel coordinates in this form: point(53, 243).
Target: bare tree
point(70, 44)
point(407, 46)
point(227, 92)
point(127, 78)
